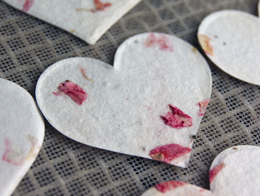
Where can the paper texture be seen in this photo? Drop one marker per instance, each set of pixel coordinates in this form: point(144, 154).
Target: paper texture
point(86, 19)
point(231, 40)
point(176, 188)
point(21, 134)
point(126, 103)
point(234, 172)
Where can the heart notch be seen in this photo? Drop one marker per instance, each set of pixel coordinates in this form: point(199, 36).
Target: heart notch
point(127, 104)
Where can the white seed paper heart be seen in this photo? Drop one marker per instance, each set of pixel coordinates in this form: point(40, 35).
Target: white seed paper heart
point(231, 40)
point(234, 172)
point(86, 19)
point(149, 104)
point(21, 134)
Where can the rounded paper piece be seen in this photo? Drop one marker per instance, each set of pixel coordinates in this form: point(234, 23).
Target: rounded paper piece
point(21, 130)
point(149, 104)
point(231, 40)
point(237, 167)
point(86, 19)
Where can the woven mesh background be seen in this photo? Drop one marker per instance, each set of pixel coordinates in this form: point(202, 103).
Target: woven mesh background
point(64, 167)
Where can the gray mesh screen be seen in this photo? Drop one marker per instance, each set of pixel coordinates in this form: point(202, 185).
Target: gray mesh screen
point(64, 167)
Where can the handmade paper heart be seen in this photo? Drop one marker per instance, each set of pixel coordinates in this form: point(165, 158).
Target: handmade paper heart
point(21, 134)
point(234, 172)
point(149, 104)
point(86, 19)
point(231, 40)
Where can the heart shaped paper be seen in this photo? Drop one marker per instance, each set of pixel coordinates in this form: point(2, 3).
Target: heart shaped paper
point(21, 131)
point(234, 172)
point(231, 40)
point(149, 104)
point(86, 19)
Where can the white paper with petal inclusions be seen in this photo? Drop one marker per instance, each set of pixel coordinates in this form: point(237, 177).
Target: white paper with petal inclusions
point(21, 134)
point(127, 106)
point(231, 40)
point(86, 19)
point(234, 172)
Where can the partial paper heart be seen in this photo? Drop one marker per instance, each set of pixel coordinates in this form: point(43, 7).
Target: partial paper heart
point(234, 172)
point(21, 131)
point(231, 40)
point(86, 19)
point(149, 104)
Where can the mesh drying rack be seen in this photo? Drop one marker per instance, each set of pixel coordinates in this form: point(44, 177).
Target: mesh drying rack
point(64, 167)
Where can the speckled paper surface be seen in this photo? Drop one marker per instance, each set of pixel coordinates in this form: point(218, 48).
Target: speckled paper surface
point(234, 172)
point(231, 40)
point(21, 134)
point(125, 104)
point(88, 19)
point(29, 46)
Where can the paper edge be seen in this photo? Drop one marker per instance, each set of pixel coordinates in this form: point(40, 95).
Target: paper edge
point(206, 20)
point(92, 38)
point(18, 179)
point(115, 67)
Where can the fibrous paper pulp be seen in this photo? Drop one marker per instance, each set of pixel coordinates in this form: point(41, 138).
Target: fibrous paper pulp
point(21, 134)
point(86, 19)
point(234, 172)
point(231, 40)
point(149, 104)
